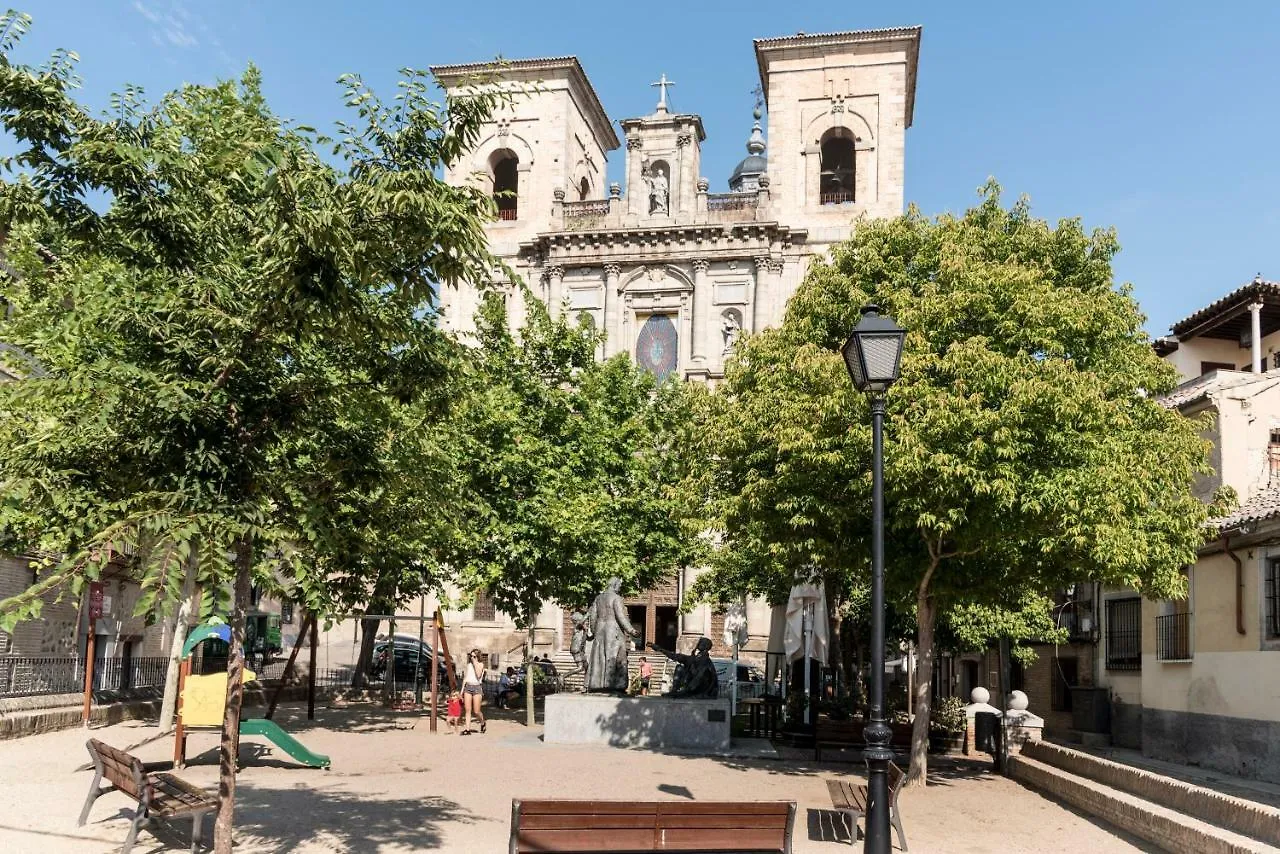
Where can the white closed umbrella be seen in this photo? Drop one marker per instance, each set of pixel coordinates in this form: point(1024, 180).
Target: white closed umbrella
point(735, 635)
point(806, 631)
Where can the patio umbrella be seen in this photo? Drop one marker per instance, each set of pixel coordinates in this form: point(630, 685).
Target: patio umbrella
point(806, 632)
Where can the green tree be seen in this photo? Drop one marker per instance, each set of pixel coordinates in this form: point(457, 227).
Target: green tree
point(1024, 448)
point(228, 322)
point(572, 468)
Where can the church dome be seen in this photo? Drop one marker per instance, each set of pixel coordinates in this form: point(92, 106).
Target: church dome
point(752, 164)
point(755, 164)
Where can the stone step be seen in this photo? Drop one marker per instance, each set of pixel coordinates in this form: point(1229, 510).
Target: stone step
point(1171, 830)
point(1237, 814)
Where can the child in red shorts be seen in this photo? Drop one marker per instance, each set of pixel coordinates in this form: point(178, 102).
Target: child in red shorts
point(453, 712)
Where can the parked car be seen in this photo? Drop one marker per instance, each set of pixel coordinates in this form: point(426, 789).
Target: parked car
point(408, 655)
point(751, 679)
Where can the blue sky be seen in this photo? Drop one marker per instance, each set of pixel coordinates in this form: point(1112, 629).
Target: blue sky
point(1158, 118)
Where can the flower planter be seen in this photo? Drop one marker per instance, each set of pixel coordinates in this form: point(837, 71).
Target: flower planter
point(946, 743)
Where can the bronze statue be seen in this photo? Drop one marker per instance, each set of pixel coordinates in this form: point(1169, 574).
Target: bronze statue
point(697, 679)
point(610, 633)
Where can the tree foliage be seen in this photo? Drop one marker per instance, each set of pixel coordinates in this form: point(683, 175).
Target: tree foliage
point(1024, 447)
point(573, 466)
point(232, 328)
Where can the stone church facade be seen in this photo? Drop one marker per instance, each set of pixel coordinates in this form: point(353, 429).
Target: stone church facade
point(669, 269)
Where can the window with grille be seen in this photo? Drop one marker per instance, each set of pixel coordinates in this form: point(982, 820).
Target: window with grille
point(1124, 634)
point(286, 611)
point(484, 610)
point(1272, 602)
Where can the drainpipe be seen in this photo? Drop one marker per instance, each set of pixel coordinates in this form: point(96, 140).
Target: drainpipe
point(1235, 558)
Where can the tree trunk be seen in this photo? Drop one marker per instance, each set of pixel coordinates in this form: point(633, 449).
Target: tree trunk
point(364, 661)
point(918, 772)
point(230, 746)
point(529, 712)
point(179, 637)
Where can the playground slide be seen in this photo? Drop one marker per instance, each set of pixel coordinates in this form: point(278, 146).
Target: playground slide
point(290, 745)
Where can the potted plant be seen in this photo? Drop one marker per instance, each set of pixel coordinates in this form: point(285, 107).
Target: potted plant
point(947, 723)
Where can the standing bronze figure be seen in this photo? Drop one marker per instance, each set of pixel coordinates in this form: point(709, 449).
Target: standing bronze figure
point(610, 632)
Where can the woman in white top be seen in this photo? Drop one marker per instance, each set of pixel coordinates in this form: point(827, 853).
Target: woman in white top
point(473, 690)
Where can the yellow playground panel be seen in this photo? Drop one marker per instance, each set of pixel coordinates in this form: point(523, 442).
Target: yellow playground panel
point(204, 698)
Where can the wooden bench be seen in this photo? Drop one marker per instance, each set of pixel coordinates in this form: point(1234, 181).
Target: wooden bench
point(851, 801)
point(848, 733)
point(162, 796)
point(611, 826)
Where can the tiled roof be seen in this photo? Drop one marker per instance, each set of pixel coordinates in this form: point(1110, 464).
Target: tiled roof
point(1257, 289)
point(1262, 507)
point(1200, 387)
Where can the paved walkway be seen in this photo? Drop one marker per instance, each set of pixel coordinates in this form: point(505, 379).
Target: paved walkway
point(395, 787)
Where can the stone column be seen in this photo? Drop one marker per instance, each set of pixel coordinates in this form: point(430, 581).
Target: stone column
point(1255, 334)
point(780, 295)
point(555, 294)
point(700, 204)
point(761, 293)
point(686, 325)
point(635, 184)
point(613, 335)
point(685, 155)
point(702, 325)
point(628, 316)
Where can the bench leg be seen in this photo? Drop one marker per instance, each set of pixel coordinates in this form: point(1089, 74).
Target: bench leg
point(197, 825)
point(139, 819)
point(897, 825)
point(851, 819)
point(94, 791)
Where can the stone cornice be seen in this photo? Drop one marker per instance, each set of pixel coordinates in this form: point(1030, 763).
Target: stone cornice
point(479, 73)
point(740, 240)
point(768, 49)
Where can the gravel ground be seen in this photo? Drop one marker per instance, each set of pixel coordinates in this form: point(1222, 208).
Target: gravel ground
point(394, 786)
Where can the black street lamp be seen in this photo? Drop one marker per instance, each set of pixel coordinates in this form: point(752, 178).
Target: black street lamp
point(872, 355)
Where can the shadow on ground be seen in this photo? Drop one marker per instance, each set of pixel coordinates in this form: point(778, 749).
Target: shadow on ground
point(283, 819)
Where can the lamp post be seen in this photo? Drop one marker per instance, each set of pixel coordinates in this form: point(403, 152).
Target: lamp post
point(872, 355)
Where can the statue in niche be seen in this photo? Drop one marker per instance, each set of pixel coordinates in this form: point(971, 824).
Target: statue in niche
point(730, 328)
point(610, 633)
point(697, 678)
point(659, 190)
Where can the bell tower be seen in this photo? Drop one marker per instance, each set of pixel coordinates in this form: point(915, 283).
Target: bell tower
point(664, 153)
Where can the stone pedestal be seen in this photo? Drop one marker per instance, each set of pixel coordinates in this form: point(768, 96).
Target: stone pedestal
point(654, 722)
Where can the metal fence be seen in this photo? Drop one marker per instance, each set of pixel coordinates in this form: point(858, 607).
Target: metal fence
point(27, 676)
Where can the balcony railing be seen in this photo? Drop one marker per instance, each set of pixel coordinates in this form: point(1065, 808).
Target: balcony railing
point(1173, 637)
point(587, 207)
point(507, 213)
point(732, 201)
point(835, 198)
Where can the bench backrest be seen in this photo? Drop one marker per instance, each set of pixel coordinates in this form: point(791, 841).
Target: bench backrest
point(551, 826)
point(122, 770)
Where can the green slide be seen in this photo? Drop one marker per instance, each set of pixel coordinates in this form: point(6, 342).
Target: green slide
point(281, 739)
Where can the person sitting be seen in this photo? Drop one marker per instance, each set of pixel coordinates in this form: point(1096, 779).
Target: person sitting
point(505, 689)
point(697, 678)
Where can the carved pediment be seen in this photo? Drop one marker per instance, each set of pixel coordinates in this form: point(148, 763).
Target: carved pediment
point(657, 278)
